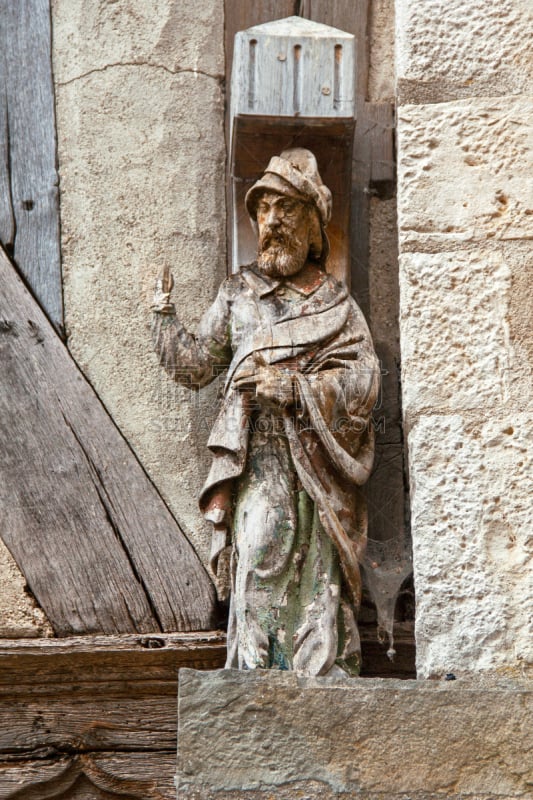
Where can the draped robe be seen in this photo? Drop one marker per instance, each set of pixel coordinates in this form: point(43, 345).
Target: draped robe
point(283, 488)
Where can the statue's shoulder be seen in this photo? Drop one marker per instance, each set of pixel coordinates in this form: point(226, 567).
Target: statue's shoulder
point(334, 289)
point(334, 284)
point(338, 288)
point(233, 284)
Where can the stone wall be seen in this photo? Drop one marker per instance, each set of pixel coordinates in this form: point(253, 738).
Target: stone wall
point(465, 201)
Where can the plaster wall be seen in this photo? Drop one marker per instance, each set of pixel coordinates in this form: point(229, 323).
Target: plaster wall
point(465, 205)
point(140, 110)
point(20, 616)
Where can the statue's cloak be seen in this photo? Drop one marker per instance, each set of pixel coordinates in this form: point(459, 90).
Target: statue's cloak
point(315, 330)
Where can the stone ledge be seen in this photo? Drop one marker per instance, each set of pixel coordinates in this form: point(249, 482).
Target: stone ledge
point(270, 735)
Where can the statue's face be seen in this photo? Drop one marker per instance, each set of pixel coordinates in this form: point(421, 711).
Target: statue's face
point(284, 230)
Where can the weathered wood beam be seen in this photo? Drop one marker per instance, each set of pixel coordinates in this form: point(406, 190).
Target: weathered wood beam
point(104, 663)
point(97, 545)
point(29, 194)
point(98, 776)
point(87, 716)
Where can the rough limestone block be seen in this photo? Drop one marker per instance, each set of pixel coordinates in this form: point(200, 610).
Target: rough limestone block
point(20, 616)
point(271, 734)
point(452, 48)
point(518, 255)
point(457, 352)
point(141, 160)
point(471, 488)
point(464, 172)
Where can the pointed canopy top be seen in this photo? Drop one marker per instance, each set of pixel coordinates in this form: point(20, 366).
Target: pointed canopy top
point(298, 26)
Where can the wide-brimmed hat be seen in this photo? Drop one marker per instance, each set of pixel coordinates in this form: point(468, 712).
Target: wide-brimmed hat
point(294, 172)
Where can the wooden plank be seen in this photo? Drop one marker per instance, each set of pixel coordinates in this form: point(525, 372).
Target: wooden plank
point(380, 129)
point(97, 664)
point(29, 217)
point(94, 714)
point(7, 220)
point(347, 15)
point(148, 776)
point(85, 723)
point(90, 694)
point(99, 548)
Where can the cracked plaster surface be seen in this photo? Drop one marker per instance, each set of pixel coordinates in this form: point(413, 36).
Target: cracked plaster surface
point(137, 64)
point(140, 109)
point(90, 34)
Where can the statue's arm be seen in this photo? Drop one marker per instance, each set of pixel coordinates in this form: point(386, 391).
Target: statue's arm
point(346, 379)
point(193, 360)
point(352, 387)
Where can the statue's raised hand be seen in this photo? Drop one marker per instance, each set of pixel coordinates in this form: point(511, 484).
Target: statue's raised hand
point(162, 290)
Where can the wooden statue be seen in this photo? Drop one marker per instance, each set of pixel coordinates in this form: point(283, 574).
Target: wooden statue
point(293, 440)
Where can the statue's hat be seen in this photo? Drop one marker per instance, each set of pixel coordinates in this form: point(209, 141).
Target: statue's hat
point(295, 173)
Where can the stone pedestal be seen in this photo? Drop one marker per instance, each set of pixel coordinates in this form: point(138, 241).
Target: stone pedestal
point(267, 735)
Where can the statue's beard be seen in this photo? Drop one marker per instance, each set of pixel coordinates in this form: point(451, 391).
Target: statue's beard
point(281, 255)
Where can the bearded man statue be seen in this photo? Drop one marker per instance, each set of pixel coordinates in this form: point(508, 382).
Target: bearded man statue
point(293, 441)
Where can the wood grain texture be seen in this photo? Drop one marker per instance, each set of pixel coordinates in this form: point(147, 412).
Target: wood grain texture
point(147, 776)
point(85, 723)
point(242, 14)
point(350, 16)
point(97, 545)
point(96, 716)
point(380, 129)
point(97, 663)
point(295, 68)
point(29, 201)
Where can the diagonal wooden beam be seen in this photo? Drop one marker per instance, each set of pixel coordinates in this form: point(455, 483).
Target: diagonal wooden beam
point(97, 545)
